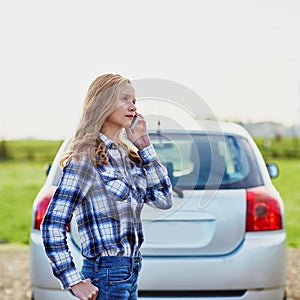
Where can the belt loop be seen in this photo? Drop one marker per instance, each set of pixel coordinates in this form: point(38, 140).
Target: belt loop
point(97, 264)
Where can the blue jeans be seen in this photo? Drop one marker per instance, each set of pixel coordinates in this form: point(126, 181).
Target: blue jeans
point(115, 276)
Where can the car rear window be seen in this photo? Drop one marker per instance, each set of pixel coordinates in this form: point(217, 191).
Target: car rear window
point(203, 161)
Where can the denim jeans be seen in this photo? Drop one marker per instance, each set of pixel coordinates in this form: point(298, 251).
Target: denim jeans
point(115, 276)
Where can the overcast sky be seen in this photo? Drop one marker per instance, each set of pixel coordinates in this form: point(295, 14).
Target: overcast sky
point(241, 57)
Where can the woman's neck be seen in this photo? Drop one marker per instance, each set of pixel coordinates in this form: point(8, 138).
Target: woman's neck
point(112, 134)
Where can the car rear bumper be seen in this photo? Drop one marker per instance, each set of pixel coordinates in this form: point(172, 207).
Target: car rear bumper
point(257, 269)
point(273, 294)
point(48, 294)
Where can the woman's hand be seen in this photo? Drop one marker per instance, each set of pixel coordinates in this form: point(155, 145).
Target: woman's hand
point(85, 290)
point(139, 135)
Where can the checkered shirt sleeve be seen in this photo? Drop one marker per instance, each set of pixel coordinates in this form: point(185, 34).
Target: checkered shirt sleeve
point(75, 182)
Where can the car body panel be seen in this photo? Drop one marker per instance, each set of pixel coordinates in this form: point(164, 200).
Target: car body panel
point(226, 271)
point(206, 223)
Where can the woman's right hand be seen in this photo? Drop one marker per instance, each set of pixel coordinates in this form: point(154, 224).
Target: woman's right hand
point(85, 290)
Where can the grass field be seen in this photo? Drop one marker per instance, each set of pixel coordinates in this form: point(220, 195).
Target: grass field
point(19, 183)
point(23, 173)
point(288, 185)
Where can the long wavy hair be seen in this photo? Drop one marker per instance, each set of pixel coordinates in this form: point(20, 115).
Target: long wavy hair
point(101, 99)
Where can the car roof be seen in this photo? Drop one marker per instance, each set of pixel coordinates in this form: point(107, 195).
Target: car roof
point(212, 127)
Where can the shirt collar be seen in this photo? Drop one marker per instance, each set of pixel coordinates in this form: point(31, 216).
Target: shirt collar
point(109, 144)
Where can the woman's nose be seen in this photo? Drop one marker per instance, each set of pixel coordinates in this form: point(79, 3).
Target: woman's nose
point(132, 107)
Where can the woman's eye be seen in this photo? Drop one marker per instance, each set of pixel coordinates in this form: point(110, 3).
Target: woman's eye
point(127, 99)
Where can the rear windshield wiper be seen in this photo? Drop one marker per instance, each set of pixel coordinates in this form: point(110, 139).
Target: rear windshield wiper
point(178, 191)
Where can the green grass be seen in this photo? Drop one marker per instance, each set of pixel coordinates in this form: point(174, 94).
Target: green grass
point(30, 150)
point(288, 185)
point(22, 174)
point(19, 183)
point(279, 147)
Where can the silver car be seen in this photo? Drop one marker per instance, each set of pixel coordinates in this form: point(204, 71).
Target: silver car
point(225, 236)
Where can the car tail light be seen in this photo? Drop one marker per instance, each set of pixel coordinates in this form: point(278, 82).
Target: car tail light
point(41, 209)
point(263, 210)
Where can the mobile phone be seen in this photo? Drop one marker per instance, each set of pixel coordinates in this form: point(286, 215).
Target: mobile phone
point(134, 122)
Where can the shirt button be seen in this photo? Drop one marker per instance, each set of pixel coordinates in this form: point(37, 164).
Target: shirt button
point(136, 260)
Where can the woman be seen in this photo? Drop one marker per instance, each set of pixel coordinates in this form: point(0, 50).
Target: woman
point(105, 184)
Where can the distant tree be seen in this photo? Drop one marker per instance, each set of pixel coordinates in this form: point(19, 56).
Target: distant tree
point(278, 136)
point(3, 150)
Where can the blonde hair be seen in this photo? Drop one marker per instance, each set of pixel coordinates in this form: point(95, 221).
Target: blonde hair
point(101, 100)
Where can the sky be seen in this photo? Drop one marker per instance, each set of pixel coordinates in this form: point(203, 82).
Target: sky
point(241, 57)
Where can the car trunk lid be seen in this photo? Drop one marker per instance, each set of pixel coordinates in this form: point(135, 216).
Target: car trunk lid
point(208, 222)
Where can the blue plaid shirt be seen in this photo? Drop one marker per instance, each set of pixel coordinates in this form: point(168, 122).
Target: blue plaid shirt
point(106, 201)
